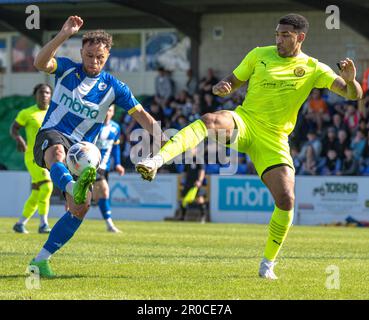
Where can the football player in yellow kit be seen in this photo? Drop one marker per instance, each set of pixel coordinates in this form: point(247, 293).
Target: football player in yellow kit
point(31, 119)
point(280, 78)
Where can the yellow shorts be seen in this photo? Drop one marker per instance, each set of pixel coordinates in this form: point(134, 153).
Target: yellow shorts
point(266, 149)
point(37, 173)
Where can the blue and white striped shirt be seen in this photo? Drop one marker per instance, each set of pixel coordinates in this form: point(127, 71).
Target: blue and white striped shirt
point(79, 104)
point(108, 143)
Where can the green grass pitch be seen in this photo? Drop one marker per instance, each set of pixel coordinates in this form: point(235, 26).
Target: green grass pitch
point(170, 260)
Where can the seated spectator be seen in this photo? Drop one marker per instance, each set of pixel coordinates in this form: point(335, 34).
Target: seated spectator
point(337, 123)
point(358, 145)
point(191, 83)
point(331, 164)
point(350, 165)
point(157, 112)
point(207, 83)
point(313, 141)
point(295, 157)
point(352, 118)
point(209, 104)
point(329, 141)
point(310, 163)
point(164, 90)
point(317, 110)
point(343, 143)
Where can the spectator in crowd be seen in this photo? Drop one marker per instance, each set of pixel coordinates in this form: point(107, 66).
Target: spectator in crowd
point(310, 163)
point(343, 143)
point(350, 165)
point(297, 163)
point(351, 118)
point(317, 110)
point(313, 141)
point(191, 83)
point(207, 83)
point(338, 123)
point(358, 144)
point(164, 90)
point(329, 141)
point(331, 164)
point(209, 104)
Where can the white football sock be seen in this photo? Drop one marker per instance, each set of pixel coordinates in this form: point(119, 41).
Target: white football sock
point(44, 254)
point(43, 220)
point(69, 187)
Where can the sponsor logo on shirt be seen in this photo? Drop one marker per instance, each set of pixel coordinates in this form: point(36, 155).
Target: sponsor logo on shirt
point(77, 107)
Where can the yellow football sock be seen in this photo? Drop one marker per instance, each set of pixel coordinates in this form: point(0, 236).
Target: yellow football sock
point(44, 198)
point(187, 138)
point(30, 206)
point(278, 228)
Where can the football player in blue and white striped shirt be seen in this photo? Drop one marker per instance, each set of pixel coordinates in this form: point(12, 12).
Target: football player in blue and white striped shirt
point(109, 146)
point(82, 96)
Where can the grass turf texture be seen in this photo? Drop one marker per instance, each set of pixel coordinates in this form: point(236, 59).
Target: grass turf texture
point(172, 260)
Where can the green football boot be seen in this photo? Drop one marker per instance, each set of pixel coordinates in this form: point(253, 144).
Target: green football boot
point(82, 185)
point(44, 269)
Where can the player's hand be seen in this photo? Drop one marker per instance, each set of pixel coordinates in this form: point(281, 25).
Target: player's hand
point(348, 70)
point(21, 144)
point(120, 169)
point(198, 184)
point(222, 88)
point(72, 25)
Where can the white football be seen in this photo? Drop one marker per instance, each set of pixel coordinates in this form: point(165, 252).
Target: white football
point(82, 155)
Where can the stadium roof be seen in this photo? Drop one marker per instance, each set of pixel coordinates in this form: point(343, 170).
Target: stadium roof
point(182, 14)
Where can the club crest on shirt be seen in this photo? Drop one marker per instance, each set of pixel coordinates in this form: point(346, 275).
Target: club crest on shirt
point(299, 71)
point(44, 145)
point(102, 86)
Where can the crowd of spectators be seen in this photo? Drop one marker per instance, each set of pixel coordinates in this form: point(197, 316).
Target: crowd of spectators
point(331, 135)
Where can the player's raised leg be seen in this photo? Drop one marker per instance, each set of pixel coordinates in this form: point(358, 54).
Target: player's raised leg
point(281, 182)
point(187, 138)
point(60, 175)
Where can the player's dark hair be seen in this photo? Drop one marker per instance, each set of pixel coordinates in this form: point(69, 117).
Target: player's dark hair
point(39, 86)
point(97, 37)
point(298, 22)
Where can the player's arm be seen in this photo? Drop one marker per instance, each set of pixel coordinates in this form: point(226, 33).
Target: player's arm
point(146, 121)
point(14, 133)
point(116, 156)
point(45, 60)
point(201, 178)
point(227, 85)
point(346, 85)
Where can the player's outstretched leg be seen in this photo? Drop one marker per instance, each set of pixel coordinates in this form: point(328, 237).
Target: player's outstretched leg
point(187, 138)
point(82, 185)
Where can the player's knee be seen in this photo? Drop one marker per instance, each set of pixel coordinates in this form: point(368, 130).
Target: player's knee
point(54, 154)
point(209, 119)
point(285, 201)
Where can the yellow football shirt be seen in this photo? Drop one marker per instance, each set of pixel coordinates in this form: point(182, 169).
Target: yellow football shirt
point(278, 86)
point(31, 119)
